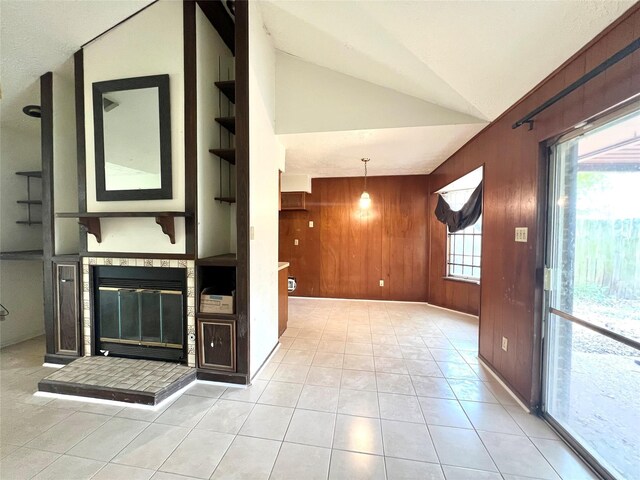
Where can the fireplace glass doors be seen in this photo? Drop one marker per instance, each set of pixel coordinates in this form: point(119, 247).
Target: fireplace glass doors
point(140, 312)
point(141, 317)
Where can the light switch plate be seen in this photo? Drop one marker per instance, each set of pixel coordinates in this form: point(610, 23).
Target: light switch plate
point(505, 343)
point(296, 242)
point(310, 223)
point(521, 234)
point(382, 283)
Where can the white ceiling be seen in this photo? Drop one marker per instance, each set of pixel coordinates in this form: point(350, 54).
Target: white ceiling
point(474, 57)
point(38, 36)
point(393, 151)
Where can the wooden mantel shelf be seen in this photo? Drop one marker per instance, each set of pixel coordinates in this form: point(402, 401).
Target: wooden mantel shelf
point(91, 220)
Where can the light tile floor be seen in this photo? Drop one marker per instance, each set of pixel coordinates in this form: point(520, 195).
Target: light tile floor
point(358, 390)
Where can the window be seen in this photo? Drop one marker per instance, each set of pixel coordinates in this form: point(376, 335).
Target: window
point(463, 246)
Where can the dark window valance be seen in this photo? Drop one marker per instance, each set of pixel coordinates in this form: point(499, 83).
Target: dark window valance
point(466, 216)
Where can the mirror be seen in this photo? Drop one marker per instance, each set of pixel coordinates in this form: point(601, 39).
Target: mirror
point(132, 126)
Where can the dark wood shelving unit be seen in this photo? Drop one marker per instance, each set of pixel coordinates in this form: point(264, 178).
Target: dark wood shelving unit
point(29, 222)
point(227, 122)
point(216, 316)
point(228, 88)
point(33, 174)
point(225, 260)
point(228, 200)
point(29, 202)
point(91, 220)
point(227, 154)
point(31, 255)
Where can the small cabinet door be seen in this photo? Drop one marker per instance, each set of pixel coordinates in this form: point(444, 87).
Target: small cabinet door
point(217, 342)
point(293, 200)
point(67, 322)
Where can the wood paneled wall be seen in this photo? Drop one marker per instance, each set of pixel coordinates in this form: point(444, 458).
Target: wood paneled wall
point(514, 196)
point(444, 292)
point(346, 254)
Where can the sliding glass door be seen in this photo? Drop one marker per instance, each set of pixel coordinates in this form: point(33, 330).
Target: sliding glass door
point(592, 304)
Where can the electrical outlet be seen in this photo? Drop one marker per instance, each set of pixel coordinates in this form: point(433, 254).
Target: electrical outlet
point(296, 242)
point(521, 234)
point(505, 343)
point(310, 223)
point(382, 283)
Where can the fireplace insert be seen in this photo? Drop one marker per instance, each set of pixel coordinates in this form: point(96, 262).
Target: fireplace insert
point(139, 312)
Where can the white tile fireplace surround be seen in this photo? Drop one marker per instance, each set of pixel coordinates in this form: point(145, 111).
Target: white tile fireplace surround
point(188, 265)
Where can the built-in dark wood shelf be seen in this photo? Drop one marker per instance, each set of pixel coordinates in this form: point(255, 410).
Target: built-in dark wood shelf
point(228, 88)
point(35, 255)
point(30, 202)
point(69, 257)
point(228, 154)
point(228, 200)
point(225, 260)
point(216, 316)
point(228, 122)
point(28, 222)
point(34, 174)
point(91, 220)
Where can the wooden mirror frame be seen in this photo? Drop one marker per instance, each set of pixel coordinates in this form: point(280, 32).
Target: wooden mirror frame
point(99, 88)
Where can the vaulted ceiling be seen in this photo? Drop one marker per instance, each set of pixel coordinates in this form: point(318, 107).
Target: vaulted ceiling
point(38, 36)
point(472, 57)
point(458, 64)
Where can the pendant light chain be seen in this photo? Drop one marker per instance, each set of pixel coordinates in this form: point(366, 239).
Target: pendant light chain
point(365, 175)
point(365, 160)
point(365, 199)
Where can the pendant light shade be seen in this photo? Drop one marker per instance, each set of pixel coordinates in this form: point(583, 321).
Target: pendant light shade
point(365, 199)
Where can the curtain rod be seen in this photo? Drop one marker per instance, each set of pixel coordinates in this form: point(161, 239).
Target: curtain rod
point(626, 51)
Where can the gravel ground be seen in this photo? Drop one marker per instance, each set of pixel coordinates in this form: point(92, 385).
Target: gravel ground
point(623, 317)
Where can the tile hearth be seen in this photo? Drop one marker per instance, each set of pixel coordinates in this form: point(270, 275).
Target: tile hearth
point(145, 382)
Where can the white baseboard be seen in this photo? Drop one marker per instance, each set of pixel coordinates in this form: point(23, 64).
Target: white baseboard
point(22, 338)
point(357, 300)
point(504, 385)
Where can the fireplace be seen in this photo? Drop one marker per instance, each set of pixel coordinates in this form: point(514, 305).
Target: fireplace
point(140, 312)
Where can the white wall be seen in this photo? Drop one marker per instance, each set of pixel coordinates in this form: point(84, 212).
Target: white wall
point(150, 43)
point(311, 98)
point(215, 219)
point(65, 160)
point(20, 281)
point(295, 183)
point(266, 158)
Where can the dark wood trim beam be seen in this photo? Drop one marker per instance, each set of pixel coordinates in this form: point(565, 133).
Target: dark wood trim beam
point(242, 183)
point(48, 223)
point(58, 359)
point(78, 61)
point(214, 376)
point(162, 256)
point(190, 126)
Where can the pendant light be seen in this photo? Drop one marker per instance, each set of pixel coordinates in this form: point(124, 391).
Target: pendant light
point(365, 199)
